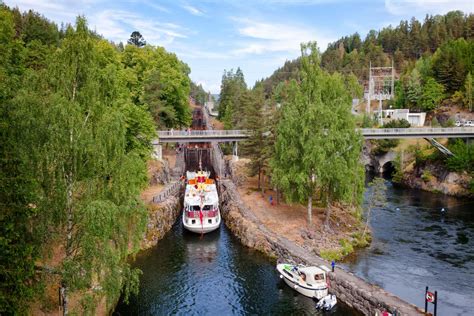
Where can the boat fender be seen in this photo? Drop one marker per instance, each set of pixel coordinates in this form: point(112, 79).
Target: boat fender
point(281, 276)
point(295, 287)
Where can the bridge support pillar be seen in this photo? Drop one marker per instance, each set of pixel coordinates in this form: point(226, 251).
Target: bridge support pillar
point(157, 152)
point(235, 156)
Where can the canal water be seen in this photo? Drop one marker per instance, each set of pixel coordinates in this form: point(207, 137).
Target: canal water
point(215, 275)
point(414, 245)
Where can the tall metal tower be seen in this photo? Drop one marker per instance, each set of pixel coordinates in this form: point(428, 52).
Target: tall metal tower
point(381, 84)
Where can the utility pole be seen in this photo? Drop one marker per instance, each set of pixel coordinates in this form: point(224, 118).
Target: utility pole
point(367, 110)
point(392, 91)
point(380, 111)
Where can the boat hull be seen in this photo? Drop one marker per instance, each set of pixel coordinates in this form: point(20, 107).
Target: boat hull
point(205, 228)
point(297, 285)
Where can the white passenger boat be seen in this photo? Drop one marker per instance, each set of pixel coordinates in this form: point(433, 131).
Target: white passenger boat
point(201, 203)
point(309, 281)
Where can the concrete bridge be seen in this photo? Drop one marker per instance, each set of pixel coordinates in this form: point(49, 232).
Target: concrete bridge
point(204, 136)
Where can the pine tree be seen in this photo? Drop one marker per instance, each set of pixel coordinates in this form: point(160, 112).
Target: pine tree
point(136, 39)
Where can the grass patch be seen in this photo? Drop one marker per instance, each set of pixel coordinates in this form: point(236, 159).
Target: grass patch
point(330, 254)
point(359, 241)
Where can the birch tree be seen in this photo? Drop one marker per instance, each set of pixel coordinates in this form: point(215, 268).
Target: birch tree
point(87, 182)
point(317, 148)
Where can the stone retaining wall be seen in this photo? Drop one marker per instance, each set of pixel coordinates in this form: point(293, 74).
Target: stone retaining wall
point(161, 218)
point(366, 298)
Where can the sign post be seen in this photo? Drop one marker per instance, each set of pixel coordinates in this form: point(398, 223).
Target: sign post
point(432, 298)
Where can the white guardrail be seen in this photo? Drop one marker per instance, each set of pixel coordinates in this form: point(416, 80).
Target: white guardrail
point(418, 130)
point(178, 133)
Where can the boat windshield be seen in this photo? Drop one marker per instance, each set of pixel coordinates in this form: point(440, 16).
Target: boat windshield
point(206, 208)
point(319, 277)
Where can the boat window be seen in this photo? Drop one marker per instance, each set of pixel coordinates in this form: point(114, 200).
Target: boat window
point(291, 275)
point(318, 277)
point(303, 276)
point(195, 207)
point(206, 208)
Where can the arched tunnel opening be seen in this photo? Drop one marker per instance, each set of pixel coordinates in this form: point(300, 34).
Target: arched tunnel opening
point(388, 169)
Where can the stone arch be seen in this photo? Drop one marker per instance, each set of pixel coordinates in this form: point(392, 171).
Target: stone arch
point(388, 169)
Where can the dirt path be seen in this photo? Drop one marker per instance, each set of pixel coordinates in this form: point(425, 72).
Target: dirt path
point(291, 220)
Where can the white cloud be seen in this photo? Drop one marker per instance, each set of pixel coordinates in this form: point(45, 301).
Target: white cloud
point(403, 7)
point(266, 37)
point(117, 25)
point(155, 6)
point(193, 10)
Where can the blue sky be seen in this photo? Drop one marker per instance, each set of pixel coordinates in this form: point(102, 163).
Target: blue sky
point(257, 36)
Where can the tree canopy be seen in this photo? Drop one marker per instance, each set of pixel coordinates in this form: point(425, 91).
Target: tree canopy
point(317, 148)
point(136, 39)
point(78, 115)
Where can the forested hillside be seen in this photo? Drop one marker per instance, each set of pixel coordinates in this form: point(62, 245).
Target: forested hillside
point(433, 60)
point(77, 116)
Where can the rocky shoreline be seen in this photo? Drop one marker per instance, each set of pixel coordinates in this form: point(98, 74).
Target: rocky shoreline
point(352, 290)
point(429, 176)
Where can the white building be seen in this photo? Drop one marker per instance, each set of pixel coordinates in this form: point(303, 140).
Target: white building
point(415, 119)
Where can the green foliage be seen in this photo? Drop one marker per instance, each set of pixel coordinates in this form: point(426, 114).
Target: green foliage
point(233, 88)
point(400, 123)
point(468, 92)
point(331, 254)
point(159, 81)
point(367, 121)
point(463, 158)
point(316, 146)
point(435, 122)
point(353, 86)
point(198, 94)
point(449, 123)
point(346, 247)
point(426, 175)
point(432, 95)
point(74, 137)
point(452, 62)
point(397, 176)
point(136, 39)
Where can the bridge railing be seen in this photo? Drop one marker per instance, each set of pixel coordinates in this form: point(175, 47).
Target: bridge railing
point(203, 133)
point(417, 130)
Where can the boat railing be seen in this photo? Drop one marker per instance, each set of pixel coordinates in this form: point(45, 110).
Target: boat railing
point(195, 214)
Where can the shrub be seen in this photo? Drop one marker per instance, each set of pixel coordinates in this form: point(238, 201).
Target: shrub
point(463, 159)
point(449, 123)
point(426, 176)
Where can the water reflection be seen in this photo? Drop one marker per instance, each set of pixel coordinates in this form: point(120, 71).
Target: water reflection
point(213, 275)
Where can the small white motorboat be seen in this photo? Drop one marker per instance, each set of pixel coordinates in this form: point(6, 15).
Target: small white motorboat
point(309, 281)
point(327, 302)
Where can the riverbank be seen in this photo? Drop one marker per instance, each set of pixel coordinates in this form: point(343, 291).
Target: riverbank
point(355, 292)
point(418, 165)
point(342, 237)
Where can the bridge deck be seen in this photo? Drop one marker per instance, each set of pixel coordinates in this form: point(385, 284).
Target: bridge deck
point(198, 136)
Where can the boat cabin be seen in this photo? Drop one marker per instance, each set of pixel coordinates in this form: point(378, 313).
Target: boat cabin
point(312, 275)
